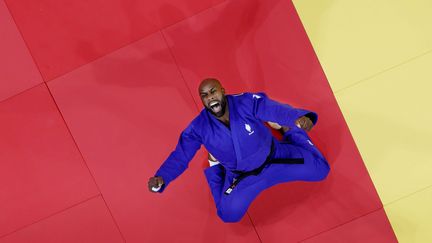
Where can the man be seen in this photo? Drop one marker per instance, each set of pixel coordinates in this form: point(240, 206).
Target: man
point(249, 158)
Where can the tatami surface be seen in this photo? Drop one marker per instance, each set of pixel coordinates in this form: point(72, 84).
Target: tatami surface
point(93, 95)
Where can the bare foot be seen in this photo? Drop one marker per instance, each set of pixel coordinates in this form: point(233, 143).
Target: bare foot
point(212, 160)
point(281, 129)
point(274, 125)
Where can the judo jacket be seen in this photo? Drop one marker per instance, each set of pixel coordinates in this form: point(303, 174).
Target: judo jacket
point(243, 146)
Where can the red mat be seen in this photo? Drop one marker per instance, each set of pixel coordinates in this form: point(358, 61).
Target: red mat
point(89, 221)
point(63, 35)
point(370, 228)
point(41, 169)
point(17, 69)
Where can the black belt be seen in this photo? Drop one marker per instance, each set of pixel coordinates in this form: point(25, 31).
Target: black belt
point(257, 171)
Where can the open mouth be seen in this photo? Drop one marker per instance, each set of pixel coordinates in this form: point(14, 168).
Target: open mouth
point(215, 106)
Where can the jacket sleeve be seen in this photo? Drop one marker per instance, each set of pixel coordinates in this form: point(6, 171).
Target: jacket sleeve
point(178, 161)
point(267, 109)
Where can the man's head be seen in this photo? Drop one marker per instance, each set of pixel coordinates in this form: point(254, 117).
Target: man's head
point(213, 96)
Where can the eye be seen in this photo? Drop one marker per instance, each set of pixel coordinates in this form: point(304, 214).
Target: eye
point(213, 91)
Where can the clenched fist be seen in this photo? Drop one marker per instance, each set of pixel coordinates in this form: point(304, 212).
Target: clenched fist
point(155, 183)
point(304, 123)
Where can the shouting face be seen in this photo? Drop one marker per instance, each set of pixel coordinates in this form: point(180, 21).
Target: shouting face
point(213, 97)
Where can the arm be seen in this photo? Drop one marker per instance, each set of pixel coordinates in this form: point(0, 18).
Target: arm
point(178, 161)
point(267, 109)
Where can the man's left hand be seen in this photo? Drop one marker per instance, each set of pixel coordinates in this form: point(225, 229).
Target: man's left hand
point(304, 123)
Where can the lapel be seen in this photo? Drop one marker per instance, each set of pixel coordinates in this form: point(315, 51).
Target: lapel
point(235, 126)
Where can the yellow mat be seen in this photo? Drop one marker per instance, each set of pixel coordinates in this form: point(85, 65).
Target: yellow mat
point(377, 56)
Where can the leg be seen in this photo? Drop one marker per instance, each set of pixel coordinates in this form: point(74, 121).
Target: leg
point(296, 144)
point(282, 129)
point(215, 176)
point(315, 167)
point(212, 160)
point(231, 208)
point(299, 137)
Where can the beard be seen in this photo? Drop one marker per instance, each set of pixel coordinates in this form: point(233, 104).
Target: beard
point(223, 104)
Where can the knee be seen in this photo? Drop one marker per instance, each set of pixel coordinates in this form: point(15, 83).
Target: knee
point(322, 172)
point(229, 218)
point(231, 213)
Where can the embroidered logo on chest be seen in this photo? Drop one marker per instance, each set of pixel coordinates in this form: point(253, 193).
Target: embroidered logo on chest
point(249, 129)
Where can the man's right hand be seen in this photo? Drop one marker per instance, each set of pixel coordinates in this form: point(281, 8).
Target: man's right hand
point(304, 123)
point(155, 182)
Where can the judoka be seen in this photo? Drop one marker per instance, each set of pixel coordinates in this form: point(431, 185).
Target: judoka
point(245, 157)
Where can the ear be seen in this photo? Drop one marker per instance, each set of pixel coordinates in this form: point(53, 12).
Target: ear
point(223, 91)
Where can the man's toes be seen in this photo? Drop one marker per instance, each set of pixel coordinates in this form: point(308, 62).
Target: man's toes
point(285, 129)
point(274, 125)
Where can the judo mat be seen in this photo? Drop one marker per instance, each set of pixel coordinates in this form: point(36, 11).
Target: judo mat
point(94, 94)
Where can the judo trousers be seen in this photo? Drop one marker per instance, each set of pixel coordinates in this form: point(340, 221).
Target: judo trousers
point(295, 144)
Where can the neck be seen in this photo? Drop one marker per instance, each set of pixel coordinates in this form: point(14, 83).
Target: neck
point(225, 117)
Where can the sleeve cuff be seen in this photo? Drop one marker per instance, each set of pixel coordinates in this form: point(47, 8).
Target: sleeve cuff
point(310, 114)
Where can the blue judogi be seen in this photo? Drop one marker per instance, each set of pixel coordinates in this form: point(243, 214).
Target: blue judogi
point(244, 146)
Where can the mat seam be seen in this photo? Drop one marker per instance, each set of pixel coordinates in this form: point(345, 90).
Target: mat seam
point(253, 225)
point(408, 195)
point(407, 61)
point(178, 69)
point(24, 40)
point(344, 223)
point(21, 92)
point(50, 215)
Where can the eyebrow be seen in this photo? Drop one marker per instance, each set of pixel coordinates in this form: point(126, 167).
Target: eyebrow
point(212, 88)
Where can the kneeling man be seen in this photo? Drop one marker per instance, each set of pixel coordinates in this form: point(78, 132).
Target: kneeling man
point(245, 157)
